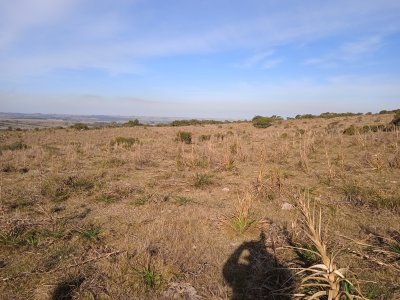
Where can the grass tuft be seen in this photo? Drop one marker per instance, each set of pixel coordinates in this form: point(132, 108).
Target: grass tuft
point(201, 180)
point(126, 142)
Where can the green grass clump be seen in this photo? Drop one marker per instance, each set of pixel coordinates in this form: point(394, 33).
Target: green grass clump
point(241, 223)
point(19, 236)
point(202, 180)
point(32, 239)
point(150, 277)
point(106, 198)
point(90, 232)
point(61, 188)
point(182, 200)
point(352, 192)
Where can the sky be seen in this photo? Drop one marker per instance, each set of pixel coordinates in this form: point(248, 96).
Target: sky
point(199, 58)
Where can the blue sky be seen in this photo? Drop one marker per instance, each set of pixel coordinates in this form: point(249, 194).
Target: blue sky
point(203, 58)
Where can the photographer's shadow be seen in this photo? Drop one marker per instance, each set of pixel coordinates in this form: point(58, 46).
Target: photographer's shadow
point(253, 273)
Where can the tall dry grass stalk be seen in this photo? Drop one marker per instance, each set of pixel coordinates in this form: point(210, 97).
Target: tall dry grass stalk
point(244, 205)
point(328, 160)
point(325, 279)
point(241, 219)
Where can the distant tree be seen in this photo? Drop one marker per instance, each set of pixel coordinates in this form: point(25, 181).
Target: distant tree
point(131, 123)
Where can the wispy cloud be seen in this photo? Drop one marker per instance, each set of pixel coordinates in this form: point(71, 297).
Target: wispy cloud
point(175, 57)
point(262, 60)
point(348, 52)
point(256, 59)
point(21, 16)
point(269, 64)
point(354, 93)
point(89, 34)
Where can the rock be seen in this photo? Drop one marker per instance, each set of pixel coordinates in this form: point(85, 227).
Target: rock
point(287, 206)
point(181, 291)
point(225, 189)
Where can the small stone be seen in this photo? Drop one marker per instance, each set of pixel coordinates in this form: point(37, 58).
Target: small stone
point(225, 189)
point(287, 206)
point(181, 290)
point(2, 263)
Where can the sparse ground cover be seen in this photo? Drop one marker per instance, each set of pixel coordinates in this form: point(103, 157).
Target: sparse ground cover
point(142, 213)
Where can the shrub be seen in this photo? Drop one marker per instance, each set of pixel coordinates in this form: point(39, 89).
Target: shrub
point(79, 126)
point(184, 136)
point(204, 137)
point(396, 119)
point(131, 123)
point(262, 122)
point(195, 122)
point(352, 130)
point(126, 142)
point(14, 146)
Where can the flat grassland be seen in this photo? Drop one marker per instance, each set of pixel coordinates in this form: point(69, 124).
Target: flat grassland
point(136, 213)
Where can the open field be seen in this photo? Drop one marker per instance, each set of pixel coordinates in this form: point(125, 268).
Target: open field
point(134, 213)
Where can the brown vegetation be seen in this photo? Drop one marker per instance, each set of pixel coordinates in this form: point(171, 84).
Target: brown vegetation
point(147, 213)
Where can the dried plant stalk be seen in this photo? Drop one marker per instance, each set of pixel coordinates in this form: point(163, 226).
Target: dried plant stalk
point(326, 278)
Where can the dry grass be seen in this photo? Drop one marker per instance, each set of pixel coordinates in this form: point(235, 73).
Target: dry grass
point(133, 213)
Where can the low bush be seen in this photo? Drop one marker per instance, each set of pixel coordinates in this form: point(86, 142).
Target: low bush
point(14, 146)
point(79, 126)
point(204, 137)
point(262, 122)
point(131, 123)
point(352, 130)
point(396, 119)
point(126, 142)
point(184, 136)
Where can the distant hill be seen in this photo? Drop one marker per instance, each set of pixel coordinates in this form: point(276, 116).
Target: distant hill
point(40, 120)
point(84, 118)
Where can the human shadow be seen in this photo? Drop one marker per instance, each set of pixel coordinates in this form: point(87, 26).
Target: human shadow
point(254, 273)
